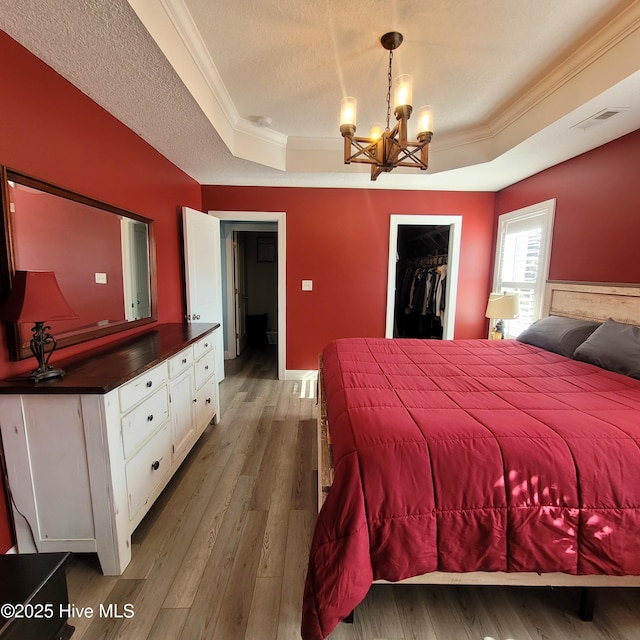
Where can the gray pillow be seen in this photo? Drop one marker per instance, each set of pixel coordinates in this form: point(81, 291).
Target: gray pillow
point(614, 346)
point(557, 334)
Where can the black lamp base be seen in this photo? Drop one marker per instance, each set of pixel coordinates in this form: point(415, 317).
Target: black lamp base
point(46, 372)
point(39, 343)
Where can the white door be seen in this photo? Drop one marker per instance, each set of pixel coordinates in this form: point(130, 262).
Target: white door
point(240, 285)
point(203, 274)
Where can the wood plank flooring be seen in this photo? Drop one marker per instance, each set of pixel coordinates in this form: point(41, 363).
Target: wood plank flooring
point(222, 554)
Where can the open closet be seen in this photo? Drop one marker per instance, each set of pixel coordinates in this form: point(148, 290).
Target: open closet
point(421, 281)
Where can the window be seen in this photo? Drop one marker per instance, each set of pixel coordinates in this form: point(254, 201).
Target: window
point(522, 260)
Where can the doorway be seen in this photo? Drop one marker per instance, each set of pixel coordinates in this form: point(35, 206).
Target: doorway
point(271, 249)
point(135, 249)
point(255, 287)
point(424, 256)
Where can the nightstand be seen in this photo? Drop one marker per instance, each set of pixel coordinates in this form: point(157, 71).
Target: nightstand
point(34, 591)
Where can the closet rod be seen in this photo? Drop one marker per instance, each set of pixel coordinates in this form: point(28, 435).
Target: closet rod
point(428, 261)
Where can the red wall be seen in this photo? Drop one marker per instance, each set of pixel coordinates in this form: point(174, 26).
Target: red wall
point(75, 242)
point(339, 238)
point(597, 219)
point(52, 131)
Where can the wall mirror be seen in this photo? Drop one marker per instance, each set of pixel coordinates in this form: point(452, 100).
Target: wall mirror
point(103, 258)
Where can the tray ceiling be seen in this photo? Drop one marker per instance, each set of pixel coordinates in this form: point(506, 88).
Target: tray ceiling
point(514, 85)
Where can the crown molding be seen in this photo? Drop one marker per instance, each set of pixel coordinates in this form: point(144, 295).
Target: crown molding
point(185, 27)
point(617, 32)
point(247, 128)
point(606, 57)
point(455, 139)
point(171, 26)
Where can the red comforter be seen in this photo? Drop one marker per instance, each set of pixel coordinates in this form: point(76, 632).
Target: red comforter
point(471, 455)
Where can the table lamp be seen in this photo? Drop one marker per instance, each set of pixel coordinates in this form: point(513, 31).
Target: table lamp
point(36, 297)
point(502, 306)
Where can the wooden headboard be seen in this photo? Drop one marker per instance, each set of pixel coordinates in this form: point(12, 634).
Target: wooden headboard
point(593, 301)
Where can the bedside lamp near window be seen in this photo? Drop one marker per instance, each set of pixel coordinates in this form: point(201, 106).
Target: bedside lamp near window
point(36, 297)
point(502, 306)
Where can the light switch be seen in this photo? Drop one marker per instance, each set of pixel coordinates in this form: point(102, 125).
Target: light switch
point(101, 278)
point(307, 285)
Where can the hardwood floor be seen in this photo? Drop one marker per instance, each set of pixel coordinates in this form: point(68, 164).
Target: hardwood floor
point(222, 554)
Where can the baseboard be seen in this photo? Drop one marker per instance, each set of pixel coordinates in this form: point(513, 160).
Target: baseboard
point(301, 374)
point(12, 551)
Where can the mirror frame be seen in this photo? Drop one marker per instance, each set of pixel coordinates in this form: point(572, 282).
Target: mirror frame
point(18, 343)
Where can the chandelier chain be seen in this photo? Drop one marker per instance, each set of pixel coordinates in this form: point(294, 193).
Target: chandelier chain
point(389, 78)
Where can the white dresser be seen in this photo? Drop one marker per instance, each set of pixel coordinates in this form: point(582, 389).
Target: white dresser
point(87, 455)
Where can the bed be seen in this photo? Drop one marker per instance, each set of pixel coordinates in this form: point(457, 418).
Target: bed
point(477, 461)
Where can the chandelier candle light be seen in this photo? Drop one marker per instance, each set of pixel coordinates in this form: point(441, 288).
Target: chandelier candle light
point(387, 149)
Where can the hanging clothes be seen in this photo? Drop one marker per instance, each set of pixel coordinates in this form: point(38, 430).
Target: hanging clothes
point(423, 295)
point(422, 289)
point(441, 297)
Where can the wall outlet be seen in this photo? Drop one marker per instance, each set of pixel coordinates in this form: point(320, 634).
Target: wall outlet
point(307, 285)
point(101, 278)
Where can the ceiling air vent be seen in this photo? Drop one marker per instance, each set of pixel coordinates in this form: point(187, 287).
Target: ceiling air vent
point(598, 118)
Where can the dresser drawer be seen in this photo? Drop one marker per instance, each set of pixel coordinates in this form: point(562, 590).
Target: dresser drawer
point(204, 368)
point(205, 404)
point(180, 362)
point(147, 468)
point(139, 388)
point(141, 422)
point(202, 346)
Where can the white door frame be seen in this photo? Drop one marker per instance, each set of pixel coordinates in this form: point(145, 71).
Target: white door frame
point(453, 265)
point(280, 218)
point(240, 291)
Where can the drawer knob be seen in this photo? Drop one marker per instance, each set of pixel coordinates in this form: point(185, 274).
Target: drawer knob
point(206, 345)
point(149, 384)
point(208, 401)
point(184, 361)
point(150, 418)
point(195, 399)
point(155, 465)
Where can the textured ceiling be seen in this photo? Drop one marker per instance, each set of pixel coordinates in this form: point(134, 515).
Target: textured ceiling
point(295, 60)
point(507, 80)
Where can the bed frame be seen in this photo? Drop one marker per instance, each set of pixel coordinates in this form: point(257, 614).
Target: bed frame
point(593, 301)
point(584, 300)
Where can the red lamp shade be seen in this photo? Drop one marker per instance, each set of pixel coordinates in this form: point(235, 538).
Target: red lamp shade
point(35, 297)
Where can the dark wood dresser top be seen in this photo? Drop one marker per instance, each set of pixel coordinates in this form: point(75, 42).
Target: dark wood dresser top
point(104, 369)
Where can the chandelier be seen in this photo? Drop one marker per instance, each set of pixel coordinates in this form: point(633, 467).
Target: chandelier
point(388, 149)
